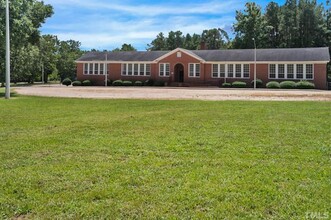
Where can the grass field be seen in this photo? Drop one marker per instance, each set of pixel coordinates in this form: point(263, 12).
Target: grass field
point(119, 159)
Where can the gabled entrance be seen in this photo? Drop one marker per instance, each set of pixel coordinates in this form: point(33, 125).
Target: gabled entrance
point(179, 73)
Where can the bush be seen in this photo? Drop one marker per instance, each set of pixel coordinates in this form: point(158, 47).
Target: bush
point(238, 84)
point(259, 83)
point(149, 82)
point(87, 83)
point(109, 82)
point(66, 82)
point(138, 83)
point(305, 85)
point(159, 83)
point(76, 83)
point(273, 85)
point(127, 83)
point(117, 83)
point(226, 85)
point(287, 85)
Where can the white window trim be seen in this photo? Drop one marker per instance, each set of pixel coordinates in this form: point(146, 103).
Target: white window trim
point(226, 75)
point(294, 71)
point(105, 65)
point(164, 69)
point(132, 69)
point(194, 70)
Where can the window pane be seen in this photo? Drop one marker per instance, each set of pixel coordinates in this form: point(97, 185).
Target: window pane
point(281, 71)
point(299, 71)
point(230, 70)
point(142, 69)
point(96, 67)
point(222, 70)
point(124, 69)
point(272, 71)
point(238, 70)
point(246, 70)
point(91, 68)
point(161, 69)
point(101, 68)
point(215, 70)
point(86, 68)
point(191, 69)
point(309, 71)
point(136, 69)
point(167, 69)
point(197, 70)
point(148, 69)
point(130, 69)
point(290, 71)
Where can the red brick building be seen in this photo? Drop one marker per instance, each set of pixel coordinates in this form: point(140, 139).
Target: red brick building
point(207, 67)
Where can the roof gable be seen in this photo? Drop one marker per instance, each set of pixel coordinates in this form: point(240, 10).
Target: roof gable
point(187, 52)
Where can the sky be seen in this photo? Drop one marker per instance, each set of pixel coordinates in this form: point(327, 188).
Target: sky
point(107, 24)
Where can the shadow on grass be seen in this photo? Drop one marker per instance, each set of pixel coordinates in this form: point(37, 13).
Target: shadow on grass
point(3, 93)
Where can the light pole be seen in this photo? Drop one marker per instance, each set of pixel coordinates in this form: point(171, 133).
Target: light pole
point(106, 67)
point(254, 63)
point(7, 94)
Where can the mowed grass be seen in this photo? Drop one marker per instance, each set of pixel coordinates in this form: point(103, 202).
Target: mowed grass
point(133, 159)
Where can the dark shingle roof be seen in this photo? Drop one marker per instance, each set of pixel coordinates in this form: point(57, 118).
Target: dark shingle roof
point(123, 56)
point(267, 55)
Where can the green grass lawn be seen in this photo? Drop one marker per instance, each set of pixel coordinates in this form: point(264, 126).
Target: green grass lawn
point(119, 159)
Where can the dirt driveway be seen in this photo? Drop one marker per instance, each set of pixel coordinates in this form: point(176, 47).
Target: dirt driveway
point(171, 93)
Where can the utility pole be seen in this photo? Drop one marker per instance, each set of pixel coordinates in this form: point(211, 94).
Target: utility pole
point(254, 63)
point(7, 94)
point(106, 72)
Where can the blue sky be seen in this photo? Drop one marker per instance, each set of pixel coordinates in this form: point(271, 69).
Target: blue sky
point(107, 24)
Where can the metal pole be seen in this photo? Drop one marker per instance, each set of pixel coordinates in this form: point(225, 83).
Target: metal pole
point(42, 73)
point(7, 95)
point(254, 63)
point(106, 72)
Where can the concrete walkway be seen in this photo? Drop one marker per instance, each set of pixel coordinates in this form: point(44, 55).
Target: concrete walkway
point(173, 93)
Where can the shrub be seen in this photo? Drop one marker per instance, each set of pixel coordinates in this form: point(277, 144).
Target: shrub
point(149, 82)
point(226, 85)
point(273, 85)
point(305, 85)
point(238, 84)
point(66, 82)
point(259, 83)
point(87, 83)
point(76, 83)
point(109, 82)
point(138, 83)
point(127, 83)
point(287, 85)
point(117, 83)
point(159, 83)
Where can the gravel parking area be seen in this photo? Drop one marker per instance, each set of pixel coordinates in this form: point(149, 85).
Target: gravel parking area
point(173, 93)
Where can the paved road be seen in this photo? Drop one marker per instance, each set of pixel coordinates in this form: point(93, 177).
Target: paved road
point(173, 93)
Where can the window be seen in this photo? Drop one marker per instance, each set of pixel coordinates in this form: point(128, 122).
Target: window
point(281, 71)
point(215, 71)
point(194, 70)
point(91, 68)
point(222, 70)
point(238, 70)
point(299, 71)
point(164, 69)
point(85, 68)
point(130, 65)
point(142, 69)
point(309, 71)
point(230, 70)
point(148, 69)
point(102, 67)
point(124, 69)
point(246, 70)
point(272, 71)
point(290, 71)
point(136, 67)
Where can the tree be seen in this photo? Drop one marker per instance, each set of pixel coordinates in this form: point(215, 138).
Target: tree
point(159, 43)
point(125, 47)
point(48, 46)
point(250, 24)
point(272, 15)
point(215, 38)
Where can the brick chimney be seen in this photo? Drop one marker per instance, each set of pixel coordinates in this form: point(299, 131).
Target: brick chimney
point(203, 45)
